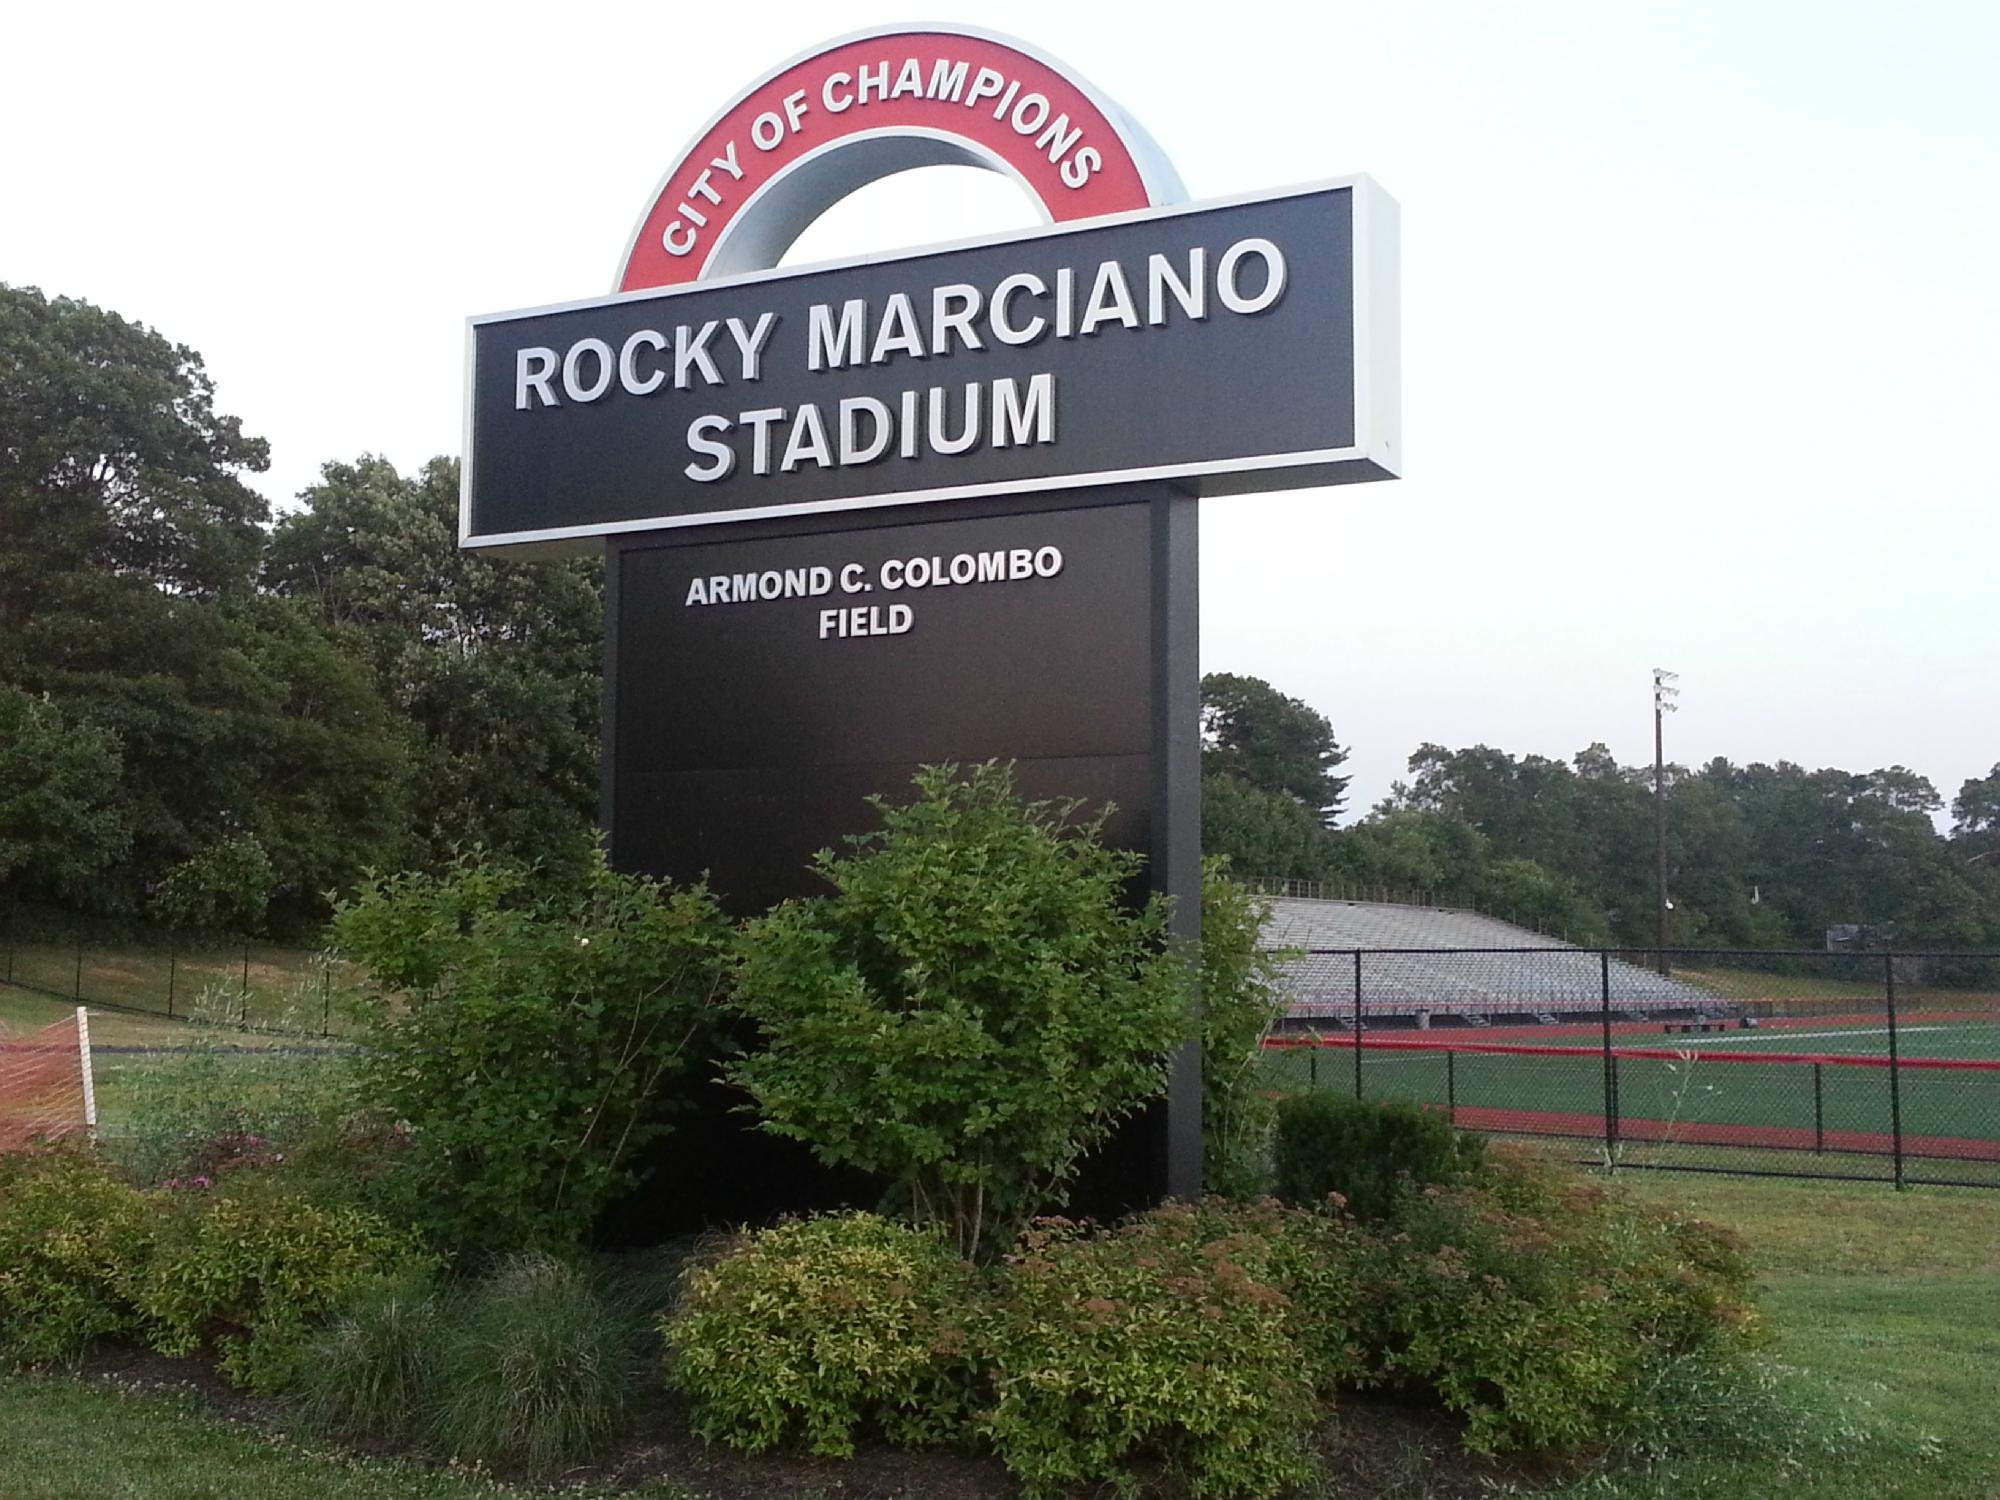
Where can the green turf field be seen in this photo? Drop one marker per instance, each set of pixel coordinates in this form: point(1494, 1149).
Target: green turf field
point(1701, 1105)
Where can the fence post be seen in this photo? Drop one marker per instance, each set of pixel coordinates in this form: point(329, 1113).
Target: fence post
point(173, 959)
point(1819, 1112)
point(1895, 1068)
point(1451, 1085)
point(1312, 1066)
point(1610, 1062)
point(243, 1004)
point(79, 969)
point(326, 1001)
point(1357, 1023)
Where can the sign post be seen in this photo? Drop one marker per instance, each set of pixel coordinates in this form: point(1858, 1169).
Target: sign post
point(928, 507)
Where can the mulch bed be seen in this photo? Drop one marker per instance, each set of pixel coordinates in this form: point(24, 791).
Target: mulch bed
point(1373, 1450)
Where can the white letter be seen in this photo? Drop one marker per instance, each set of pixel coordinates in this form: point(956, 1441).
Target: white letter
point(751, 344)
point(795, 109)
point(851, 581)
point(826, 93)
point(1012, 416)
point(909, 81)
point(605, 369)
point(1048, 561)
point(829, 346)
point(827, 620)
point(727, 161)
point(851, 450)
point(761, 421)
point(944, 320)
point(696, 594)
point(1117, 304)
point(808, 440)
point(766, 131)
point(673, 246)
point(900, 616)
point(897, 332)
point(1058, 138)
point(969, 434)
point(1192, 294)
point(1076, 171)
point(722, 457)
point(996, 318)
point(532, 369)
point(688, 354)
point(1274, 276)
point(947, 81)
point(628, 363)
point(985, 84)
point(879, 83)
point(1040, 111)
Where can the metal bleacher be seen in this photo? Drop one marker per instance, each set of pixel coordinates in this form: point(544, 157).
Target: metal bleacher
point(1425, 964)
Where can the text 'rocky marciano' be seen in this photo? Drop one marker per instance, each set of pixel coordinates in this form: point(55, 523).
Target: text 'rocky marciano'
point(948, 417)
point(899, 576)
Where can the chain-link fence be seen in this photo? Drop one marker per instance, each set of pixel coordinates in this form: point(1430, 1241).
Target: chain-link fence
point(247, 985)
point(1875, 1066)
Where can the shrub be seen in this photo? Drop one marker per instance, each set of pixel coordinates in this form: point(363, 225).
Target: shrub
point(526, 1037)
point(534, 1370)
point(820, 1327)
point(250, 1274)
point(971, 1011)
point(1366, 1151)
point(371, 1373)
point(1240, 1002)
point(1161, 1340)
point(1545, 1308)
point(67, 1227)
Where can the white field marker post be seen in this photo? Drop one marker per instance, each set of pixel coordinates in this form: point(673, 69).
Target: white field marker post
point(89, 1083)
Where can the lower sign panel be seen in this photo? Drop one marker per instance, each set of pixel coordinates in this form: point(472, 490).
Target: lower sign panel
point(766, 687)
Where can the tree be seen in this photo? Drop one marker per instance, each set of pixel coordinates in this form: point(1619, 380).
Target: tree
point(971, 1010)
point(59, 822)
point(1258, 832)
point(1271, 742)
point(491, 665)
point(114, 460)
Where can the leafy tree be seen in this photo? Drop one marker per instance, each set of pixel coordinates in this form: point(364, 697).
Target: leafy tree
point(114, 460)
point(1272, 742)
point(528, 1039)
point(971, 1011)
point(59, 821)
point(1258, 832)
point(227, 885)
point(492, 665)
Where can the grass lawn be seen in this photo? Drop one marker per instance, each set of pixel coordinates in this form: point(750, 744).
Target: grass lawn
point(1886, 1302)
point(60, 1440)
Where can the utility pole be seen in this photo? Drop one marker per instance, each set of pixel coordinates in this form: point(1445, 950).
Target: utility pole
point(1663, 704)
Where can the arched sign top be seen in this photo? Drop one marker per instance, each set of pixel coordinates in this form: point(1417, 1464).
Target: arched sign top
point(871, 104)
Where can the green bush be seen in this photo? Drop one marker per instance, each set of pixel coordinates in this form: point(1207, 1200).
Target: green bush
point(1545, 1309)
point(371, 1373)
point(533, 1371)
point(821, 1327)
point(971, 1011)
point(67, 1228)
point(1365, 1151)
point(529, 1040)
point(1240, 1002)
point(1162, 1341)
point(250, 1274)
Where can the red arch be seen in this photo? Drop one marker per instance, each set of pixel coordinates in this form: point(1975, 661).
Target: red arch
point(1075, 152)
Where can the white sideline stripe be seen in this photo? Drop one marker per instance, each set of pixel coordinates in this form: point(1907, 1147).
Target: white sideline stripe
point(1800, 1036)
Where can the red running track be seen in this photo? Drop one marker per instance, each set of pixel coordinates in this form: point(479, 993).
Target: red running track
point(1682, 1133)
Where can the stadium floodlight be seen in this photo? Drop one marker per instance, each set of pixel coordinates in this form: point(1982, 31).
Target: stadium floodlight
point(1664, 694)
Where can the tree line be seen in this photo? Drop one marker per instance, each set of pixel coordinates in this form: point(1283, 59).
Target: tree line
point(213, 716)
point(1758, 856)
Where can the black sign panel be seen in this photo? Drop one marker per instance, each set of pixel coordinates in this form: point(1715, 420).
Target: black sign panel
point(1235, 346)
point(748, 731)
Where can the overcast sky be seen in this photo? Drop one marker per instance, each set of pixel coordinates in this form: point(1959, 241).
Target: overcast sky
point(1701, 308)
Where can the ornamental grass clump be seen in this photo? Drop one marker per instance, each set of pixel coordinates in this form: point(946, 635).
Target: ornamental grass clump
point(972, 1009)
point(820, 1330)
point(373, 1371)
point(533, 1372)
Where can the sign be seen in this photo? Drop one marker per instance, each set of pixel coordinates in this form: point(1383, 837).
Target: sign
point(1233, 346)
point(864, 106)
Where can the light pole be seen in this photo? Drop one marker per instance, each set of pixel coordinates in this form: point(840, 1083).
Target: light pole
point(1663, 704)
